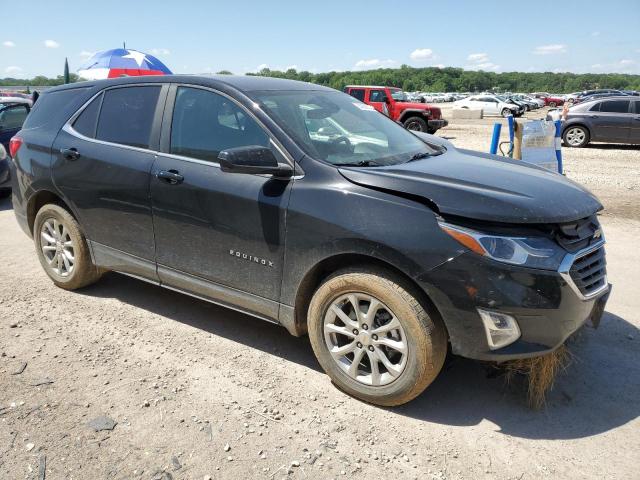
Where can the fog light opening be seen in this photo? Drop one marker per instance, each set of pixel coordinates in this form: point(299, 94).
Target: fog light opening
point(501, 329)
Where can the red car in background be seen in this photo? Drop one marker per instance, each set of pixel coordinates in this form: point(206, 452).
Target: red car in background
point(553, 101)
point(549, 100)
point(395, 104)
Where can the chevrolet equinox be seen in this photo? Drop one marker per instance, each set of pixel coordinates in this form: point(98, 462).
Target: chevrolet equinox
point(303, 206)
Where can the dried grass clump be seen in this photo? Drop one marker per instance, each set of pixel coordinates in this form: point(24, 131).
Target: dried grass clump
point(540, 372)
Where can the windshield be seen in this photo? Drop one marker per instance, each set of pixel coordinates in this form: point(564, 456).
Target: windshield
point(338, 129)
point(399, 95)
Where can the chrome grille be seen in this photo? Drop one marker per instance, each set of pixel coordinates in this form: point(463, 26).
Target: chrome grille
point(589, 271)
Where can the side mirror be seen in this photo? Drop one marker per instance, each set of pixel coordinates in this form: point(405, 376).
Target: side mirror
point(253, 159)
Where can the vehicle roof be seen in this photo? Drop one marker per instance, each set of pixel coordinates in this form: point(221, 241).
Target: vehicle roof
point(15, 100)
point(590, 102)
point(243, 83)
point(368, 86)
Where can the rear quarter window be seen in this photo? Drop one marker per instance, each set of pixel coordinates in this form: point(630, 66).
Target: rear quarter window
point(55, 108)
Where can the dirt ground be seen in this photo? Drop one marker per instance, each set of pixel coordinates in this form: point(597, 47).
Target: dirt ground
point(197, 391)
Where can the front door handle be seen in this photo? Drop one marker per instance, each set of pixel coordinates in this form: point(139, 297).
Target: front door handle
point(70, 153)
point(171, 177)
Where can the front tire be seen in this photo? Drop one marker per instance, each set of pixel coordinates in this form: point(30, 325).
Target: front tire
point(398, 346)
point(506, 112)
point(576, 136)
point(62, 249)
point(416, 124)
point(553, 104)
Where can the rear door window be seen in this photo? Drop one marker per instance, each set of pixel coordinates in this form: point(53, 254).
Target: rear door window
point(87, 121)
point(595, 108)
point(357, 93)
point(637, 107)
point(615, 106)
point(126, 116)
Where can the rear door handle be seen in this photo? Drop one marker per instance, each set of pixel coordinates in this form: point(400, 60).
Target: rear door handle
point(70, 153)
point(171, 177)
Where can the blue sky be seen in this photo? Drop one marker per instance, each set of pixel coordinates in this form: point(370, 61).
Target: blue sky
point(245, 35)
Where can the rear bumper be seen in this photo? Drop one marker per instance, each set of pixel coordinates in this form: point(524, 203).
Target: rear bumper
point(437, 124)
point(545, 305)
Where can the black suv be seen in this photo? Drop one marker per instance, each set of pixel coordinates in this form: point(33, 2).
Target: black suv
point(302, 206)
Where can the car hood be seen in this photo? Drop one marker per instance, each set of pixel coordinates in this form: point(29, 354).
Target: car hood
point(484, 187)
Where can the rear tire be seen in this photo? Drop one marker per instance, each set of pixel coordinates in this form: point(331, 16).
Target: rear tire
point(506, 112)
point(552, 104)
point(62, 249)
point(416, 124)
point(413, 343)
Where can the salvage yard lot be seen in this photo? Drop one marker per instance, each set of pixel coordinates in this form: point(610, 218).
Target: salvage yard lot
point(198, 390)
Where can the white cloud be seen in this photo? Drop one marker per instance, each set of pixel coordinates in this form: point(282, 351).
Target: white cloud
point(550, 49)
point(295, 67)
point(626, 62)
point(374, 63)
point(478, 57)
point(487, 66)
point(51, 44)
point(595, 34)
point(262, 66)
point(596, 65)
point(13, 69)
point(481, 61)
point(86, 54)
point(160, 51)
point(439, 65)
point(8, 43)
point(421, 54)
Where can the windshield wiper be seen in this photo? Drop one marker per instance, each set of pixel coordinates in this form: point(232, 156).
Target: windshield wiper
point(419, 156)
point(361, 163)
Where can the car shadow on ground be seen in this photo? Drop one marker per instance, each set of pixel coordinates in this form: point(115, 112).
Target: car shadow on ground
point(220, 321)
point(612, 146)
point(5, 204)
point(597, 393)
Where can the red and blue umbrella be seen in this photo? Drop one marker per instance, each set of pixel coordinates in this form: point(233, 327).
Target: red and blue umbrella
point(121, 62)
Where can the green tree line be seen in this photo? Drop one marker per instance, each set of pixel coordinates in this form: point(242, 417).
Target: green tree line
point(429, 79)
point(458, 80)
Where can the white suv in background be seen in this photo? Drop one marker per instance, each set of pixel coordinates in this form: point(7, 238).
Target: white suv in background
point(490, 105)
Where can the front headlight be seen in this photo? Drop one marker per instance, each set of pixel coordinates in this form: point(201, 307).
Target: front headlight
point(533, 252)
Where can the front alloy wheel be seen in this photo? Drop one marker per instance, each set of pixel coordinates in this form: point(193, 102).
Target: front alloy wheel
point(365, 339)
point(373, 337)
point(576, 136)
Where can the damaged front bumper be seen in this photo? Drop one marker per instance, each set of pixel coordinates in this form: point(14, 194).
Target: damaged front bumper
point(546, 305)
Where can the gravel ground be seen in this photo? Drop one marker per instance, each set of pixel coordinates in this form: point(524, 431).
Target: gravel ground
point(126, 380)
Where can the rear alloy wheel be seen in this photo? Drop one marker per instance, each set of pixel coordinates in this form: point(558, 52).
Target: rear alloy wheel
point(552, 104)
point(576, 136)
point(62, 249)
point(373, 338)
point(506, 112)
point(416, 124)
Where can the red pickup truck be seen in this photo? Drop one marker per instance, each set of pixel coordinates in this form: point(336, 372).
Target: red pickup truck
point(394, 103)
